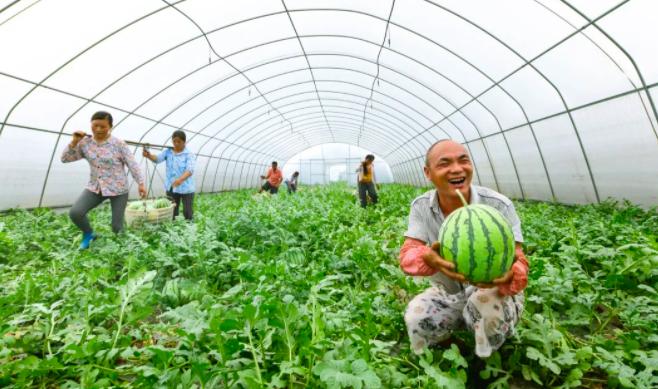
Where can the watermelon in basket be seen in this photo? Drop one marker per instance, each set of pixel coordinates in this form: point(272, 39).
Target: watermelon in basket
point(149, 211)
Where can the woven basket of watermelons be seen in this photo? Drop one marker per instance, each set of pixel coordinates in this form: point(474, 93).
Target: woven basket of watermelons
point(149, 211)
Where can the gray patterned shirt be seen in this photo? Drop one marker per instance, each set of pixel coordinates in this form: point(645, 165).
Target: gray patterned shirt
point(426, 218)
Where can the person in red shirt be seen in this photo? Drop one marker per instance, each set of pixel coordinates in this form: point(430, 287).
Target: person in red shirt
point(274, 177)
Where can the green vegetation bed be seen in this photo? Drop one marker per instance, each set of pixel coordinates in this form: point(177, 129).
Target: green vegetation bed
point(305, 291)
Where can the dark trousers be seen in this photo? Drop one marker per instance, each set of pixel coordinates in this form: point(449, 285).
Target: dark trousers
point(89, 200)
point(291, 187)
point(270, 188)
point(187, 198)
point(369, 189)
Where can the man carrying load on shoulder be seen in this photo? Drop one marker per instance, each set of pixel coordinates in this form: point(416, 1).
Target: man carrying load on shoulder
point(489, 310)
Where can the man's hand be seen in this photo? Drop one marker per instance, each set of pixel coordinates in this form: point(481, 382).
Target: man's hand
point(516, 279)
point(263, 177)
point(146, 153)
point(504, 279)
point(142, 190)
point(434, 260)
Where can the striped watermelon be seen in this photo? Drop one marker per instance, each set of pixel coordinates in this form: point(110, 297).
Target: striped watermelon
point(479, 241)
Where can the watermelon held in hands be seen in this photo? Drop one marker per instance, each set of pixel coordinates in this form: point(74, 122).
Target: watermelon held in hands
point(479, 241)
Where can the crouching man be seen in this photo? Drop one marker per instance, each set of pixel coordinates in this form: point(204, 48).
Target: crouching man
point(489, 310)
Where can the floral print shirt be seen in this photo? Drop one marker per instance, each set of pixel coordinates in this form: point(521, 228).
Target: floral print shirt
point(107, 163)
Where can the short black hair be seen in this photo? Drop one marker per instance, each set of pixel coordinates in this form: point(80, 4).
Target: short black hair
point(102, 115)
point(427, 155)
point(370, 157)
point(274, 163)
point(295, 174)
point(180, 135)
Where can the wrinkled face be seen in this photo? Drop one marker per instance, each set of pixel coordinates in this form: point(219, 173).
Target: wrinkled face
point(449, 168)
point(179, 144)
point(101, 128)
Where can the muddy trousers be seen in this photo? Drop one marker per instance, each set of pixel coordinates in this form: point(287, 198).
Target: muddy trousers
point(432, 316)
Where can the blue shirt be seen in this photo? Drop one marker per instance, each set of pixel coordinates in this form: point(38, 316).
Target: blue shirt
point(177, 164)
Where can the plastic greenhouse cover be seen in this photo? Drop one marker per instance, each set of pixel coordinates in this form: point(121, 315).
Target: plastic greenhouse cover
point(548, 96)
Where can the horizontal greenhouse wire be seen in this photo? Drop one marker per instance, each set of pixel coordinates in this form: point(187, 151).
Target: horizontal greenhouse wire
point(8, 6)
point(38, 84)
point(53, 132)
point(526, 61)
point(289, 149)
point(271, 14)
point(283, 130)
point(266, 120)
point(630, 58)
point(220, 56)
point(270, 78)
point(529, 63)
point(99, 103)
point(310, 69)
point(571, 110)
point(358, 85)
point(337, 92)
point(17, 13)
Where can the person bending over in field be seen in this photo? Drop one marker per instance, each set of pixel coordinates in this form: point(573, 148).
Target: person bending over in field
point(292, 183)
point(274, 177)
point(489, 310)
point(107, 157)
point(179, 183)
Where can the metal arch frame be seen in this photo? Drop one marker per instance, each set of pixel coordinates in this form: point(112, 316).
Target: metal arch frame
point(270, 77)
point(456, 127)
point(340, 125)
point(212, 152)
point(220, 56)
point(306, 118)
point(250, 19)
point(448, 101)
point(597, 18)
point(362, 87)
point(256, 109)
point(179, 45)
point(529, 63)
point(308, 63)
point(577, 108)
point(474, 99)
point(631, 60)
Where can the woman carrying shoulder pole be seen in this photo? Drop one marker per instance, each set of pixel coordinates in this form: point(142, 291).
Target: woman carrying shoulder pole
point(107, 156)
point(180, 163)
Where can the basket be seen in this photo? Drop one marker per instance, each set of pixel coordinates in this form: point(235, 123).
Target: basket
point(151, 216)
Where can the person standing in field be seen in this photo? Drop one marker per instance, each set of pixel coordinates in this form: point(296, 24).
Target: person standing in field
point(179, 183)
point(491, 311)
point(366, 181)
point(274, 178)
point(107, 157)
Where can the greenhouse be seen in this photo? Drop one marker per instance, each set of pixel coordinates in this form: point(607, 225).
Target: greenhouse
point(328, 194)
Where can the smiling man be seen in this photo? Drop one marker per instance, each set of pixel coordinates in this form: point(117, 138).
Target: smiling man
point(489, 310)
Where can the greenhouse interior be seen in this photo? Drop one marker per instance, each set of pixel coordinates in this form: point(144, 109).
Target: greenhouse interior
point(328, 194)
